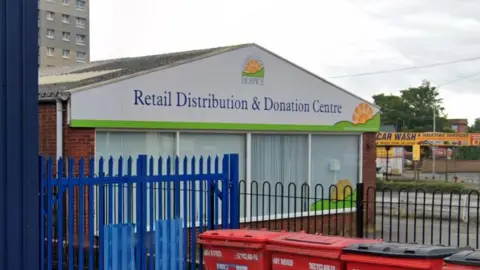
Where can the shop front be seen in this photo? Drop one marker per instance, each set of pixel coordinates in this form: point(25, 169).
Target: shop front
point(287, 125)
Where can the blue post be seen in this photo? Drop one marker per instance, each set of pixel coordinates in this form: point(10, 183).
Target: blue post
point(234, 192)
point(19, 199)
point(141, 206)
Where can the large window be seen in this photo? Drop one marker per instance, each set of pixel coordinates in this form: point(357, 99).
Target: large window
point(208, 145)
point(203, 144)
point(334, 158)
point(287, 174)
point(132, 144)
point(279, 170)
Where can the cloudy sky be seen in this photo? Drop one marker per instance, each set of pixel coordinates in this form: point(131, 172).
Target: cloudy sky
point(330, 38)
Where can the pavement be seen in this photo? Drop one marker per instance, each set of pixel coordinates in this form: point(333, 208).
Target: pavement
point(465, 208)
point(470, 178)
point(426, 231)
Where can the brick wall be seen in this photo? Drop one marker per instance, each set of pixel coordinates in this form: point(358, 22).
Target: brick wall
point(369, 172)
point(47, 119)
point(77, 142)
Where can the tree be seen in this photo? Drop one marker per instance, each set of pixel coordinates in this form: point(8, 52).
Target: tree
point(413, 109)
point(394, 110)
point(475, 128)
point(469, 153)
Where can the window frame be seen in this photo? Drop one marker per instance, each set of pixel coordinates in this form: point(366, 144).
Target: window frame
point(81, 8)
point(63, 53)
point(248, 165)
point(67, 17)
point(79, 25)
point(50, 36)
point(80, 43)
point(50, 49)
point(50, 16)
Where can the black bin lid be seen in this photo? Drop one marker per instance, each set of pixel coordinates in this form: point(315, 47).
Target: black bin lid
point(468, 257)
point(403, 250)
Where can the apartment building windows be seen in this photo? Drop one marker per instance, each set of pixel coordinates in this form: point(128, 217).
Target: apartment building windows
point(51, 33)
point(50, 51)
point(50, 16)
point(66, 53)
point(81, 39)
point(81, 22)
point(81, 57)
point(65, 18)
point(66, 36)
point(80, 5)
point(63, 29)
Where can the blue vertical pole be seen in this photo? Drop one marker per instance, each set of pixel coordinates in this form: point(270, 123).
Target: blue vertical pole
point(234, 191)
point(141, 217)
point(19, 183)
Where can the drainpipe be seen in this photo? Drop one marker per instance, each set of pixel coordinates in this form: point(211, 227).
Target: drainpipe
point(59, 128)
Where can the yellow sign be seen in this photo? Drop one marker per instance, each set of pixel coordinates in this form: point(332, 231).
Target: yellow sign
point(397, 138)
point(382, 152)
point(427, 139)
point(416, 152)
point(445, 139)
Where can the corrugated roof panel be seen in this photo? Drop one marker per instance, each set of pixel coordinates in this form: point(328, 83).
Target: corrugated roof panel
point(73, 77)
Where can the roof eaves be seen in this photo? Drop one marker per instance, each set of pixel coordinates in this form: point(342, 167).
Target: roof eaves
point(316, 76)
point(52, 96)
point(143, 72)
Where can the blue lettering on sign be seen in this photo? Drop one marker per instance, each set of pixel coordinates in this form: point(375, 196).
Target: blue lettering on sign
point(214, 101)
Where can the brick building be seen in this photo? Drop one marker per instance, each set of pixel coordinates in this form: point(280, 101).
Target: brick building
point(287, 124)
point(458, 125)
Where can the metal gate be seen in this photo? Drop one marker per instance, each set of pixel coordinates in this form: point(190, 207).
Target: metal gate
point(137, 196)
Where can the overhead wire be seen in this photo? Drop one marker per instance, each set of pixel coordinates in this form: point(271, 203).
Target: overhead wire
point(406, 69)
point(459, 79)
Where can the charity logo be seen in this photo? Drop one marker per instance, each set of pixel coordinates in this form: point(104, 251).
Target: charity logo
point(253, 71)
point(362, 113)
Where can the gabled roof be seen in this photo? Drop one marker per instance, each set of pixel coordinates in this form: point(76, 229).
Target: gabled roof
point(54, 82)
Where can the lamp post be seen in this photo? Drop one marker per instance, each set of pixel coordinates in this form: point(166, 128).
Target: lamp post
point(433, 147)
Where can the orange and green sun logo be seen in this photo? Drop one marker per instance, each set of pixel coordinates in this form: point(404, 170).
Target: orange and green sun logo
point(253, 71)
point(363, 112)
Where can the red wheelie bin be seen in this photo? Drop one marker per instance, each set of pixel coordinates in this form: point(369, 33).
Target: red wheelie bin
point(237, 249)
point(391, 256)
point(465, 260)
point(306, 251)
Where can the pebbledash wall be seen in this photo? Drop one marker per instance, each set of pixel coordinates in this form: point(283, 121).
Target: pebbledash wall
point(287, 124)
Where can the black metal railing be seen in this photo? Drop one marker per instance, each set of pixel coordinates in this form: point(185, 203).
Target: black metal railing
point(435, 217)
point(298, 207)
point(413, 215)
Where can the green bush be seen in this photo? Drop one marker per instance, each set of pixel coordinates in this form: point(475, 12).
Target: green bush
point(427, 186)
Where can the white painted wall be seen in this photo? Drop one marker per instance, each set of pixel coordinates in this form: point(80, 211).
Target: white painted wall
point(220, 75)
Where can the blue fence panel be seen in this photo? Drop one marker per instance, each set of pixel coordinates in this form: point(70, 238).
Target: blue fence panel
point(169, 245)
point(85, 197)
point(119, 247)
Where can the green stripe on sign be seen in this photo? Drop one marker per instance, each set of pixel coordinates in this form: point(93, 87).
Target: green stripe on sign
point(372, 125)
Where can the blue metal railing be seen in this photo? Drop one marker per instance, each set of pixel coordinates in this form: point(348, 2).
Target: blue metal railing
point(79, 208)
